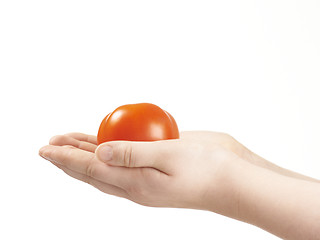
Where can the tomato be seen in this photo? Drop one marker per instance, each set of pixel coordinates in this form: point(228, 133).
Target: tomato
point(138, 122)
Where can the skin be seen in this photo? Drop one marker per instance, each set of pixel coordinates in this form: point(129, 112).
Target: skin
point(201, 170)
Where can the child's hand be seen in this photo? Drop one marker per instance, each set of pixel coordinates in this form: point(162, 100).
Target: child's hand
point(201, 170)
point(171, 173)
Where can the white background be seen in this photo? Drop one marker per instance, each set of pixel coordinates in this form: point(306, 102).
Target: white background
point(248, 68)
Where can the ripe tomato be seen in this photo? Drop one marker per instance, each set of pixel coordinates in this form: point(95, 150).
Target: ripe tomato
point(138, 122)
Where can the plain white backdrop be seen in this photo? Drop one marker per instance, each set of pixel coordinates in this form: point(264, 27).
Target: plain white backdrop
point(248, 68)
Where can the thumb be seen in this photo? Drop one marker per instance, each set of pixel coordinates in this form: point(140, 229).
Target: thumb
point(134, 154)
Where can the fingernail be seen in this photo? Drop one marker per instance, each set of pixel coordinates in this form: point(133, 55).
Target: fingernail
point(43, 153)
point(46, 157)
point(104, 153)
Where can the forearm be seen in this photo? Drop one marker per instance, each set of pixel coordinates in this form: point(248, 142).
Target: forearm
point(261, 162)
point(245, 153)
point(284, 206)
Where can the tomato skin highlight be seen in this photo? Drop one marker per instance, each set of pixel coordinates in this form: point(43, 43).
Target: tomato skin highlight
point(138, 122)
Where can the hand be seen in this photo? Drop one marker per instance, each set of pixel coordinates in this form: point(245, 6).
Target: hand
point(202, 170)
point(74, 153)
point(163, 162)
point(173, 173)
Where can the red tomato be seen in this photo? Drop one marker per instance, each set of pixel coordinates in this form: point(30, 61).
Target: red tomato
point(138, 122)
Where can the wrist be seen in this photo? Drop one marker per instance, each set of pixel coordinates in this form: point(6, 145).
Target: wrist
point(235, 188)
point(279, 204)
point(223, 192)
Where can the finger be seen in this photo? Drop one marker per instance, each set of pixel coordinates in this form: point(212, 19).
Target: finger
point(83, 137)
point(138, 154)
point(104, 187)
point(61, 140)
point(85, 163)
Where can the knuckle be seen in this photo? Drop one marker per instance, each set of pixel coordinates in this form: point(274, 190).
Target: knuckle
point(80, 145)
point(69, 146)
point(71, 134)
point(138, 192)
point(142, 195)
point(66, 154)
point(56, 139)
point(90, 167)
point(127, 157)
point(143, 192)
point(224, 136)
point(87, 180)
